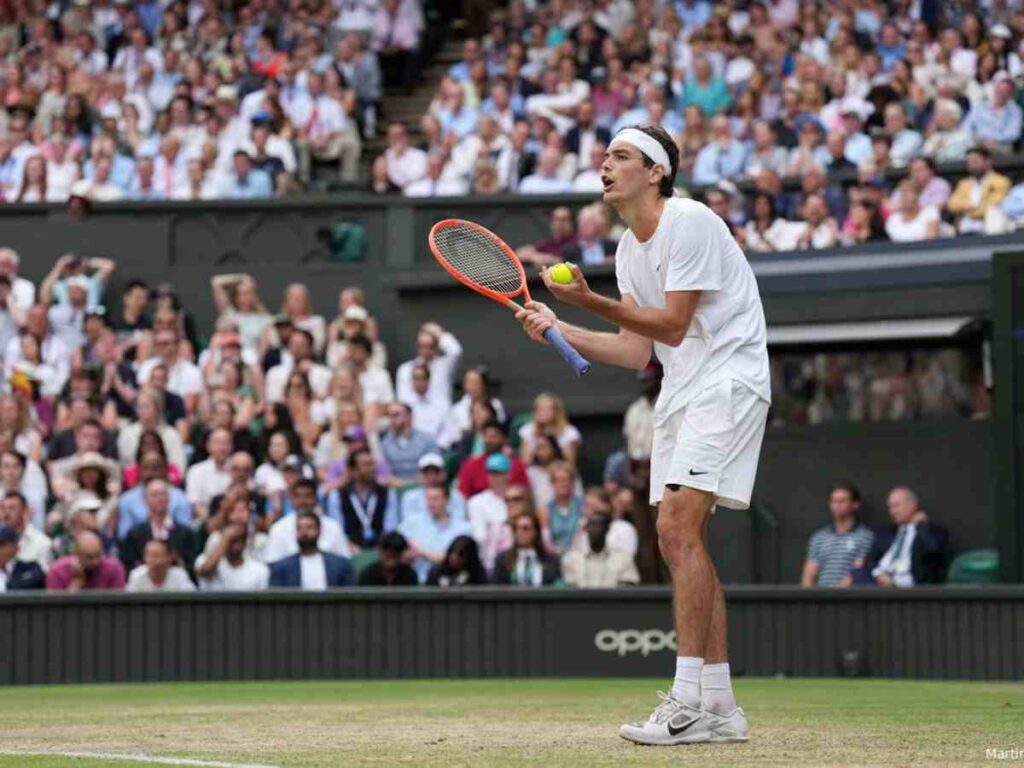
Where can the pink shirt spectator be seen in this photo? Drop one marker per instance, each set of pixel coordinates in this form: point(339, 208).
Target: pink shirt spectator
point(109, 575)
point(396, 29)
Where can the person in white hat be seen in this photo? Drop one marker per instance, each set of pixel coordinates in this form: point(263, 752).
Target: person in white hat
point(351, 322)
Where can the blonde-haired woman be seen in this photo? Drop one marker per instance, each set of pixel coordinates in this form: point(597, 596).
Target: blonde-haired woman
point(237, 298)
point(549, 418)
point(298, 306)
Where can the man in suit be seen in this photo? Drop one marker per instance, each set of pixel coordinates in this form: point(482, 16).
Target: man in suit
point(584, 135)
point(15, 573)
point(911, 551)
point(981, 191)
point(591, 246)
point(310, 568)
point(160, 524)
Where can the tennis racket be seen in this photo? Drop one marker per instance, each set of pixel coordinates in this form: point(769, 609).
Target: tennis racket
point(481, 260)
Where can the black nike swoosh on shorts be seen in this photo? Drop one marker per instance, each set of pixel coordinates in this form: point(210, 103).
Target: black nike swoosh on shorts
point(676, 731)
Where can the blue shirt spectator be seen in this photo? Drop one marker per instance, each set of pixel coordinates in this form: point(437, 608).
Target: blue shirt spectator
point(694, 14)
point(998, 121)
point(431, 534)
point(246, 182)
point(131, 508)
point(722, 158)
point(403, 446)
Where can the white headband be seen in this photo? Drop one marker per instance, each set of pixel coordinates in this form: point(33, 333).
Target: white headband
point(648, 145)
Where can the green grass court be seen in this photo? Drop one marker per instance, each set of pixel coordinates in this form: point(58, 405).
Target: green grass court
point(504, 723)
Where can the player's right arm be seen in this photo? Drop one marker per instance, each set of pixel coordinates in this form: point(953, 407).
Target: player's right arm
point(625, 348)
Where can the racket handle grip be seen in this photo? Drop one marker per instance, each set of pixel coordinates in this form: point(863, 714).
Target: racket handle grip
point(567, 351)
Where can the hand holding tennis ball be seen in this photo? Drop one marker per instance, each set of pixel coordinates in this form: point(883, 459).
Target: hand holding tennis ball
point(561, 274)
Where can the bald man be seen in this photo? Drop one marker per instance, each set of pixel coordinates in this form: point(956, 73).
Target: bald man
point(86, 568)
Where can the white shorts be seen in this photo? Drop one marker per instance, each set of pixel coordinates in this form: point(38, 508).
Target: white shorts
point(711, 444)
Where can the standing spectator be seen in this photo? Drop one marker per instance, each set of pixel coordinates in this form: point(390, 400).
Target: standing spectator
point(598, 565)
point(911, 551)
point(389, 570)
point(549, 417)
point(979, 193)
point(834, 551)
point(310, 568)
point(461, 566)
point(473, 473)
point(487, 511)
point(228, 566)
point(159, 525)
point(16, 574)
point(33, 545)
point(86, 568)
point(396, 28)
point(366, 509)
point(402, 446)
point(158, 573)
point(236, 297)
point(430, 535)
point(211, 477)
point(528, 562)
point(430, 411)
point(23, 292)
point(281, 542)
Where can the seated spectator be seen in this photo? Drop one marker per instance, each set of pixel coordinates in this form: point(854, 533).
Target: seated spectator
point(766, 231)
point(476, 385)
point(16, 574)
point(906, 142)
point(430, 535)
point(131, 506)
point(722, 157)
point(402, 446)
point(546, 179)
point(593, 246)
point(545, 456)
point(836, 550)
point(159, 525)
point(236, 298)
point(298, 308)
point(562, 234)
point(565, 510)
point(245, 181)
point(948, 141)
point(374, 382)
point(982, 191)
point(432, 474)
point(310, 568)
point(149, 413)
point(33, 545)
point(549, 417)
point(911, 221)
point(229, 562)
point(429, 409)
point(527, 563)
point(588, 180)
point(53, 356)
point(473, 472)
point(389, 570)
point(281, 541)
point(86, 568)
point(931, 189)
point(461, 566)
point(622, 534)
point(911, 551)
point(406, 164)
point(435, 183)
point(765, 151)
point(93, 479)
point(821, 230)
point(487, 512)
point(211, 477)
point(705, 90)
point(299, 357)
point(183, 377)
point(865, 224)
point(598, 565)
point(810, 151)
point(158, 573)
point(996, 123)
point(1012, 207)
point(13, 467)
point(352, 322)
point(365, 508)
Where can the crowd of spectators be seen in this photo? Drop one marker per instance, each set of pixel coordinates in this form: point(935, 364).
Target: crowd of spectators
point(280, 451)
point(794, 120)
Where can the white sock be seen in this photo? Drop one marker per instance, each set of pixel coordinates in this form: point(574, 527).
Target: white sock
point(686, 686)
point(716, 688)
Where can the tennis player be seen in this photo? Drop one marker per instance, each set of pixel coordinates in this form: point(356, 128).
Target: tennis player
point(688, 293)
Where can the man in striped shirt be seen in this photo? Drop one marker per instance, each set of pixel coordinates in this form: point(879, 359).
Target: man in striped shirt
point(835, 550)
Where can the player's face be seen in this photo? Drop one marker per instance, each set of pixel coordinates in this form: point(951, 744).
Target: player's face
point(624, 175)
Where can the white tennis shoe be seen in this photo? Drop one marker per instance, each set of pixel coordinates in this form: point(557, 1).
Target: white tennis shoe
point(672, 722)
point(728, 728)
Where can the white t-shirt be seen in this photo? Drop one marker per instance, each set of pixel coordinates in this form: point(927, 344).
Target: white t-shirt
point(693, 250)
point(247, 576)
point(281, 541)
point(314, 574)
point(903, 230)
point(183, 378)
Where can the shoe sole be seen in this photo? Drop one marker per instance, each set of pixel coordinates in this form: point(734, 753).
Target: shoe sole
point(673, 743)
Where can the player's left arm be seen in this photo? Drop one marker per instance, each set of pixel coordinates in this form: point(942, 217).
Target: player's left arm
point(668, 325)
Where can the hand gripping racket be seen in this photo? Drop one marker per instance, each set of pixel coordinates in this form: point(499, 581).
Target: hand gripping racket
point(481, 260)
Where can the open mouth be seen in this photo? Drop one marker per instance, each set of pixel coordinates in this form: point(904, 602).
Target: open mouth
point(607, 183)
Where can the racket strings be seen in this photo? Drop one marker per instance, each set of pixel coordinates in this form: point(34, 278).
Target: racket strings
point(479, 258)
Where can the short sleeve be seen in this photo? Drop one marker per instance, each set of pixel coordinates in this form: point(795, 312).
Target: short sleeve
point(814, 547)
point(864, 545)
point(695, 252)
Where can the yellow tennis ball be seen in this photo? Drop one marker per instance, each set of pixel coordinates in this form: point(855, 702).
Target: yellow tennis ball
point(561, 274)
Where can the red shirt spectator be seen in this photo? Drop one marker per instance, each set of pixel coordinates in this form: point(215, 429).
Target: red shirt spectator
point(87, 568)
point(473, 474)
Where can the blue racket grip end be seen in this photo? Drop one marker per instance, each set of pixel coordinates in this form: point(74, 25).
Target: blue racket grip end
point(567, 351)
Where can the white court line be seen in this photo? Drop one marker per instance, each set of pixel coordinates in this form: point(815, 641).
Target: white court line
point(132, 758)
